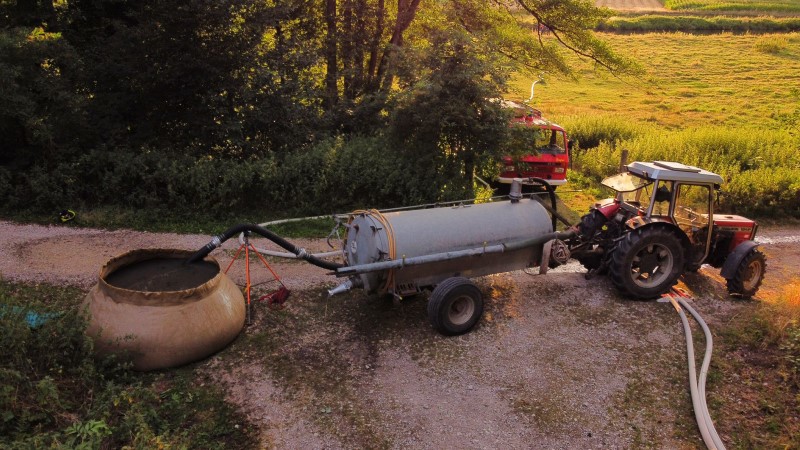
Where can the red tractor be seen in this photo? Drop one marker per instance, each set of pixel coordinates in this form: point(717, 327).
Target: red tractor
point(662, 223)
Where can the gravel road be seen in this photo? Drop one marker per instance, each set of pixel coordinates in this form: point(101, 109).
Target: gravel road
point(557, 361)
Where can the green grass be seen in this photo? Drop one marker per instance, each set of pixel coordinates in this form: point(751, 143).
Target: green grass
point(757, 367)
point(698, 24)
point(762, 171)
point(54, 394)
point(772, 44)
point(780, 6)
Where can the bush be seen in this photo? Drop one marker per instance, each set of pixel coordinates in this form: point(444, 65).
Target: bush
point(590, 131)
point(346, 173)
point(332, 175)
point(340, 173)
point(761, 168)
point(733, 5)
point(765, 192)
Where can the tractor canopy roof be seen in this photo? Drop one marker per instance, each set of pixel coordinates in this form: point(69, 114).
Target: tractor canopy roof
point(673, 171)
point(640, 174)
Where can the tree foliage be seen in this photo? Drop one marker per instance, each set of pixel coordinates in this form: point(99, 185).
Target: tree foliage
point(90, 84)
point(447, 117)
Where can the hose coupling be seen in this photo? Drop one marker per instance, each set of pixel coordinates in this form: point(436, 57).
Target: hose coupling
point(216, 241)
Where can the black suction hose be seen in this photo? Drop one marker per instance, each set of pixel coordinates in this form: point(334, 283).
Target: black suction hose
point(552, 194)
point(216, 241)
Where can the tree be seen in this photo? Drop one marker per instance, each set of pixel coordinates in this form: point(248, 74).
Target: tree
point(220, 77)
point(42, 116)
point(447, 119)
point(450, 74)
point(243, 80)
point(369, 45)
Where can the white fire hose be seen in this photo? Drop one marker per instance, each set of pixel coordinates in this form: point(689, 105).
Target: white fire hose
point(697, 385)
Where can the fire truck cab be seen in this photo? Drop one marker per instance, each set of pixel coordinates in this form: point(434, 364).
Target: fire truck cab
point(550, 157)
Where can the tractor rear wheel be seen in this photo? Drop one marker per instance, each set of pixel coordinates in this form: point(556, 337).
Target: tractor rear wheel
point(647, 262)
point(749, 275)
point(455, 306)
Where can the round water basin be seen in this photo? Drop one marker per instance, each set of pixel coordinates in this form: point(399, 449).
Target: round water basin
point(156, 310)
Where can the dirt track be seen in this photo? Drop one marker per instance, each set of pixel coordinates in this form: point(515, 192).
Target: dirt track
point(557, 360)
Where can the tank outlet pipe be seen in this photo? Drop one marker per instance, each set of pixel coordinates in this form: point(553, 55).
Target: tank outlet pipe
point(346, 271)
point(515, 193)
point(697, 386)
point(524, 243)
point(301, 253)
point(349, 284)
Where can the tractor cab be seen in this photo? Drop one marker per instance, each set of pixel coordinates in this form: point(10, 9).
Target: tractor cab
point(672, 193)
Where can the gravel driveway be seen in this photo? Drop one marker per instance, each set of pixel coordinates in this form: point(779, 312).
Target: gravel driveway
point(557, 361)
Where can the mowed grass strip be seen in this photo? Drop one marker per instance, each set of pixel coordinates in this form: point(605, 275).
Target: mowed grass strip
point(697, 24)
point(791, 6)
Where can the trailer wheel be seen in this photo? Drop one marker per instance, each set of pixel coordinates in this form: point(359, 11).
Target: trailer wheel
point(647, 262)
point(749, 275)
point(455, 306)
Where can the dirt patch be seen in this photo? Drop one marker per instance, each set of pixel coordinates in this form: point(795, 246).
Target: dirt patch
point(556, 361)
point(75, 255)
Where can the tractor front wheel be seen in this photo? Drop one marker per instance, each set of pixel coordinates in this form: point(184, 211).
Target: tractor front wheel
point(749, 275)
point(647, 262)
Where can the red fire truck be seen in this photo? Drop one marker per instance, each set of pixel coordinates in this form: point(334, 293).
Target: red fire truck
point(549, 159)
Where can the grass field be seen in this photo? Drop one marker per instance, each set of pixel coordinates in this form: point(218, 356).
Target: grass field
point(717, 101)
point(690, 80)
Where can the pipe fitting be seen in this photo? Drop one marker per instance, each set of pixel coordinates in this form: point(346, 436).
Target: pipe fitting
point(348, 284)
point(515, 193)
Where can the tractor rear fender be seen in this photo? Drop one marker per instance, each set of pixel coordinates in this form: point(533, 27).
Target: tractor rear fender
point(640, 222)
point(732, 262)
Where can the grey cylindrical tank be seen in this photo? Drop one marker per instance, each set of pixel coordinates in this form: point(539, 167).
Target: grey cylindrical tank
point(438, 230)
